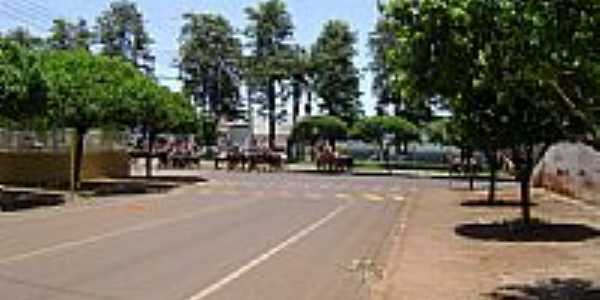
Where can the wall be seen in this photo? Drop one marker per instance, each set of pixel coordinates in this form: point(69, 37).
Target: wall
point(570, 169)
point(52, 168)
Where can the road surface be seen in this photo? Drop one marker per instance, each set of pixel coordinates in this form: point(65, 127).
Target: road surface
point(239, 236)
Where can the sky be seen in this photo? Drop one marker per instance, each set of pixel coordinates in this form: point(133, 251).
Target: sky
point(163, 21)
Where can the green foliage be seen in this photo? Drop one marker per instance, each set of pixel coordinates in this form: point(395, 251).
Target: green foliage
point(269, 32)
point(65, 35)
point(438, 132)
point(374, 129)
point(337, 79)
point(320, 127)
point(24, 38)
point(517, 75)
point(22, 86)
point(122, 33)
point(210, 59)
point(503, 91)
point(85, 90)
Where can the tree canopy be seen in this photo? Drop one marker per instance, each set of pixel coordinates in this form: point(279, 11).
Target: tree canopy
point(337, 78)
point(520, 81)
point(65, 35)
point(211, 56)
point(269, 31)
point(319, 127)
point(23, 89)
point(121, 32)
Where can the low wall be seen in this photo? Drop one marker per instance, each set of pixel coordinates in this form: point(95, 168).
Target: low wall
point(53, 168)
point(571, 169)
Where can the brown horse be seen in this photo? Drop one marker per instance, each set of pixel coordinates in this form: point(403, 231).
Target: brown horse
point(269, 161)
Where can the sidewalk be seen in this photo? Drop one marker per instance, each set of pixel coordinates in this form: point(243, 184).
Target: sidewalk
point(431, 261)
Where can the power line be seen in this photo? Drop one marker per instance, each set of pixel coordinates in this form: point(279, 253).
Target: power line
point(22, 19)
point(42, 8)
point(34, 8)
point(24, 11)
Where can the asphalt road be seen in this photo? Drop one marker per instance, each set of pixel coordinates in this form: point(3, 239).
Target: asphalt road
point(265, 236)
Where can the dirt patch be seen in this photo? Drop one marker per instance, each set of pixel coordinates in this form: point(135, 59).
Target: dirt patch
point(449, 251)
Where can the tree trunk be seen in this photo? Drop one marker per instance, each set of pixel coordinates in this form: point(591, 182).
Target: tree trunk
point(272, 113)
point(308, 105)
point(332, 144)
point(405, 147)
point(525, 178)
point(525, 200)
point(78, 157)
point(470, 170)
point(493, 162)
point(149, 154)
point(296, 105)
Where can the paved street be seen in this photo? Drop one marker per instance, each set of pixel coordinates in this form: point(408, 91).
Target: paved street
point(265, 236)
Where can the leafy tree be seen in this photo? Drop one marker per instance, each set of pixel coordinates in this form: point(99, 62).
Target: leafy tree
point(210, 62)
point(320, 127)
point(302, 73)
point(507, 92)
point(122, 33)
point(374, 129)
point(23, 89)
point(269, 32)
point(85, 91)
point(438, 132)
point(24, 38)
point(65, 35)
point(337, 79)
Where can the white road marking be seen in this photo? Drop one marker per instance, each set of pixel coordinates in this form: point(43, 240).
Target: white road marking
point(213, 288)
point(399, 198)
point(373, 197)
point(109, 235)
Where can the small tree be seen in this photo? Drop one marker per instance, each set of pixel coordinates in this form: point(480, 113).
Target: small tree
point(374, 129)
point(156, 110)
point(312, 129)
point(85, 91)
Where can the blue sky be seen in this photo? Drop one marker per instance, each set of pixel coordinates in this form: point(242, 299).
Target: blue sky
point(164, 21)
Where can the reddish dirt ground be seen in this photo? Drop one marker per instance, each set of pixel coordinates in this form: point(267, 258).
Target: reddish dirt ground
point(430, 260)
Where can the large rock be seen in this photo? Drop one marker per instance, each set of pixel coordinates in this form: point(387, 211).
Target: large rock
point(570, 169)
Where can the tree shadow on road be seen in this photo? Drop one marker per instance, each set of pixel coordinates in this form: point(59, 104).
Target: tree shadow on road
point(552, 289)
point(537, 231)
point(497, 203)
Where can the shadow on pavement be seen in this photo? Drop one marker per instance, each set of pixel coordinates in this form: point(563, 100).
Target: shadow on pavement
point(497, 203)
point(552, 289)
point(537, 231)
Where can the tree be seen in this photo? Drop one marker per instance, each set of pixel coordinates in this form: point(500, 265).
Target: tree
point(121, 33)
point(301, 76)
point(327, 128)
point(24, 38)
point(501, 93)
point(65, 35)
point(374, 129)
point(157, 110)
point(23, 90)
point(211, 62)
point(85, 91)
point(269, 32)
point(337, 79)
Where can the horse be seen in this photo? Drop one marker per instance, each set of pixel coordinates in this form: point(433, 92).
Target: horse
point(270, 160)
